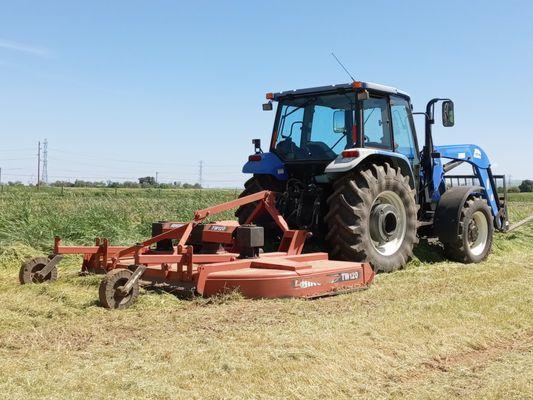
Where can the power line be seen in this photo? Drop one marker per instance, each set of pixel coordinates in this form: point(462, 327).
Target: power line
point(3, 150)
point(17, 159)
point(137, 161)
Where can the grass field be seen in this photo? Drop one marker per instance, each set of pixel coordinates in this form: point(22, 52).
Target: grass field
point(436, 329)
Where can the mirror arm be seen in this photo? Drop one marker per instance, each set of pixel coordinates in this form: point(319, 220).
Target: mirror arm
point(421, 113)
point(428, 146)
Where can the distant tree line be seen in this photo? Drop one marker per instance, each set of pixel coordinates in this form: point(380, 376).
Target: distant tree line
point(144, 182)
point(526, 186)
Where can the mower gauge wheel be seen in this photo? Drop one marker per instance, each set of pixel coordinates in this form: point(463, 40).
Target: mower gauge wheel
point(110, 292)
point(29, 269)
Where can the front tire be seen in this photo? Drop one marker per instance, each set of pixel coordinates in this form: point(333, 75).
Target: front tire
point(474, 237)
point(373, 217)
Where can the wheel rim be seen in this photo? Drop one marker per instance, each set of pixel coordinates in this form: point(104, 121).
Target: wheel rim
point(118, 297)
point(34, 271)
point(477, 233)
point(387, 223)
point(33, 274)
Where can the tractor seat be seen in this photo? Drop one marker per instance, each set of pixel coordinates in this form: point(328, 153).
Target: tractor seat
point(320, 150)
point(289, 150)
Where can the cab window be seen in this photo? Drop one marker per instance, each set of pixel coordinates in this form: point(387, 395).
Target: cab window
point(376, 124)
point(402, 126)
point(292, 120)
point(315, 127)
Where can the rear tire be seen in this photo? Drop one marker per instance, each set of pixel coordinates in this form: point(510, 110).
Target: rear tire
point(474, 237)
point(373, 217)
point(251, 186)
point(254, 185)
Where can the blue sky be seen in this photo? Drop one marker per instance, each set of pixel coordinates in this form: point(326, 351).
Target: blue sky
point(125, 88)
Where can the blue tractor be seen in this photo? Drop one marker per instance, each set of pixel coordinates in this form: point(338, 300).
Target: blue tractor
point(347, 167)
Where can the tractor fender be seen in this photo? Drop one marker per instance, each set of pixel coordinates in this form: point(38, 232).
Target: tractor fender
point(448, 212)
point(267, 164)
point(345, 164)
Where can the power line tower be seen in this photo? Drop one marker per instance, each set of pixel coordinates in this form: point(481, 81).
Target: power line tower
point(201, 173)
point(45, 161)
point(39, 164)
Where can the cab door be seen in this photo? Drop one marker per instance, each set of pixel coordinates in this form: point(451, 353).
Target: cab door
point(376, 123)
point(403, 129)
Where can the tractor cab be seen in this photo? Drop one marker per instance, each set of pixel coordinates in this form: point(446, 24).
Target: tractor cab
point(315, 126)
point(319, 123)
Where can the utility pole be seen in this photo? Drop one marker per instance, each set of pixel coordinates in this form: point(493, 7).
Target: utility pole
point(201, 173)
point(156, 176)
point(39, 165)
point(45, 162)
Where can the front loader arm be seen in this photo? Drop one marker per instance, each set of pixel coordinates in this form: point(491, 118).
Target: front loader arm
point(478, 159)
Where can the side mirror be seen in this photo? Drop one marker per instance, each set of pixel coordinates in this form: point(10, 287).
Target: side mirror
point(339, 122)
point(267, 106)
point(447, 113)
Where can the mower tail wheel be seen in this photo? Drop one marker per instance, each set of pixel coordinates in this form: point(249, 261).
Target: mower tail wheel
point(29, 269)
point(110, 293)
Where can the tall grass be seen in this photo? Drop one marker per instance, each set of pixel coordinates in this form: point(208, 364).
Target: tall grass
point(78, 216)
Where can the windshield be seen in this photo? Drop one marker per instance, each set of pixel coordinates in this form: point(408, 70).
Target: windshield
point(315, 128)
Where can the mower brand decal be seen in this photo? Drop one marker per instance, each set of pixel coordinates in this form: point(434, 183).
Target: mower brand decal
point(218, 228)
point(173, 226)
point(303, 284)
point(461, 155)
point(281, 171)
point(345, 276)
point(477, 153)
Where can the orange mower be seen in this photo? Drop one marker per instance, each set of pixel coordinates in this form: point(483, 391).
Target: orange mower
point(209, 259)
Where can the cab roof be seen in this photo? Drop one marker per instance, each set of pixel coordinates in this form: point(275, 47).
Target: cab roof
point(376, 87)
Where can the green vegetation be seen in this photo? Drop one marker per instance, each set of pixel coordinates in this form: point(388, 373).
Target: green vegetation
point(526, 186)
point(436, 329)
point(33, 217)
point(521, 197)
